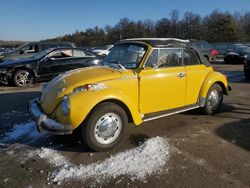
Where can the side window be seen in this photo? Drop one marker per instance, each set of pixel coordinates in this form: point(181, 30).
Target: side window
point(170, 58)
point(87, 54)
point(47, 46)
point(153, 59)
point(30, 48)
point(191, 57)
point(61, 54)
point(80, 53)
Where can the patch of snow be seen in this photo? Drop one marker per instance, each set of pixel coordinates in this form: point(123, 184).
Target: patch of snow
point(54, 158)
point(6, 180)
point(12, 114)
point(138, 163)
point(23, 131)
point(200, 162)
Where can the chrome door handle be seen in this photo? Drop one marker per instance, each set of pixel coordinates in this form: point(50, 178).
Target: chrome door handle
point(181, 74)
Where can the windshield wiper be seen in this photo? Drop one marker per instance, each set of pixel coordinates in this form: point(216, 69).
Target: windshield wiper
point(118, 63)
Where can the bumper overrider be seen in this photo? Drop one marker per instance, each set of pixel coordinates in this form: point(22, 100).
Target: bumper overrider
point(45, 124)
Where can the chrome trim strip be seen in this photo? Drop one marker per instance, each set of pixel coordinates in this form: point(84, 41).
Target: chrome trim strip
point(171, 113)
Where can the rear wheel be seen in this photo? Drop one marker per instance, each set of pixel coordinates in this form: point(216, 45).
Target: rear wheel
point(104, 127)
point(23, 78)
point(214, 100)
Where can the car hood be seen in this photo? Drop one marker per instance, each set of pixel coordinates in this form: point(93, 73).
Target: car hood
point(15, 62)
point(64, 84)
point(14, 57)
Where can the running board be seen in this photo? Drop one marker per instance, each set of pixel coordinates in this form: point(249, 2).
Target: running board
point(177, 111)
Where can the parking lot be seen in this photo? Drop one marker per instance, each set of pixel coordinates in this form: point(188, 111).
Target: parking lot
point(184, 150)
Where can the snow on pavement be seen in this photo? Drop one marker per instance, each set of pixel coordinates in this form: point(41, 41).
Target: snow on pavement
point(137, 163)
point(24, 131)
point(53, 157)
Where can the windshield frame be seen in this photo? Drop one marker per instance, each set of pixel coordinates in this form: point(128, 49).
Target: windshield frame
point(118, 65)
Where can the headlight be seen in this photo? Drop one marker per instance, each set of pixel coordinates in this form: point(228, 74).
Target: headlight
point(65, 106)
point(245, 56)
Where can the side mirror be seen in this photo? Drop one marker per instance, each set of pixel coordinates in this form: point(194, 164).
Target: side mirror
point(46, 59)
point(155, 66)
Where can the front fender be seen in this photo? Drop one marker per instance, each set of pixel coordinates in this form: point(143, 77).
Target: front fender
point(83, 102)
point(212, 78)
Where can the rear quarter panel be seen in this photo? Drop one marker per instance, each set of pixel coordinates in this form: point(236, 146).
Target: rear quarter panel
point(212, 78)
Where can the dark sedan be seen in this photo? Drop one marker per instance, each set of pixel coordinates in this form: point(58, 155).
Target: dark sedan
point(46, 65)
point(247, 67)
point(237, 56)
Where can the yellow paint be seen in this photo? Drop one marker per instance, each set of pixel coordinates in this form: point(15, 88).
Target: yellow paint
point(211, 78)
point(161, 89)
point(195, 75)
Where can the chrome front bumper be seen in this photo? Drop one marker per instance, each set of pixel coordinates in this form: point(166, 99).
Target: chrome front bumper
point(45, 124)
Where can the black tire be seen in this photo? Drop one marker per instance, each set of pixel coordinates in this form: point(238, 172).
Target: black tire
point(212, 105)
point(23, 78)
point(247, 74)
point(102, 114)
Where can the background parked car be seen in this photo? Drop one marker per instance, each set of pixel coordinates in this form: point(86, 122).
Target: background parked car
point(204, 47)
point(30, 49)
point(237, 56)
point(103, 50)
point(46, 65)
point(247, 67)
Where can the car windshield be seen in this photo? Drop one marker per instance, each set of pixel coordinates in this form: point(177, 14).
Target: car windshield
point(125, 56)
point(16, 50)
point(245, 50)
point(42, 54)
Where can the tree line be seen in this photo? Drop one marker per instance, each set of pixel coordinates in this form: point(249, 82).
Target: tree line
point(215, 27)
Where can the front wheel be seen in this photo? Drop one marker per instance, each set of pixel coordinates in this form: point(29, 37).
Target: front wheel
point(23, 78)
point(104, 127)
point(214, 100)
point(247, 74)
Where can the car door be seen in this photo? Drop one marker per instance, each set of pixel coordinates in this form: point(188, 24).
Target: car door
point(56, 62)
point(80, 59)
point(196, 73)
point(162, 83)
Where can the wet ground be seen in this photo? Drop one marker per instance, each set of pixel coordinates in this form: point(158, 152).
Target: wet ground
point(184, 150)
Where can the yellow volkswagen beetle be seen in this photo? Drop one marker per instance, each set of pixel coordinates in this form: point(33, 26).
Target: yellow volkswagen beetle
point(141, 80)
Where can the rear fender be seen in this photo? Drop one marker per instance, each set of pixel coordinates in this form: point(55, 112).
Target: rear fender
point(212, 78)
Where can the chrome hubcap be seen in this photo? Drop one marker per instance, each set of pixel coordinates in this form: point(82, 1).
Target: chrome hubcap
point(108, 128)
point(214, 98)
point(23, 78)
